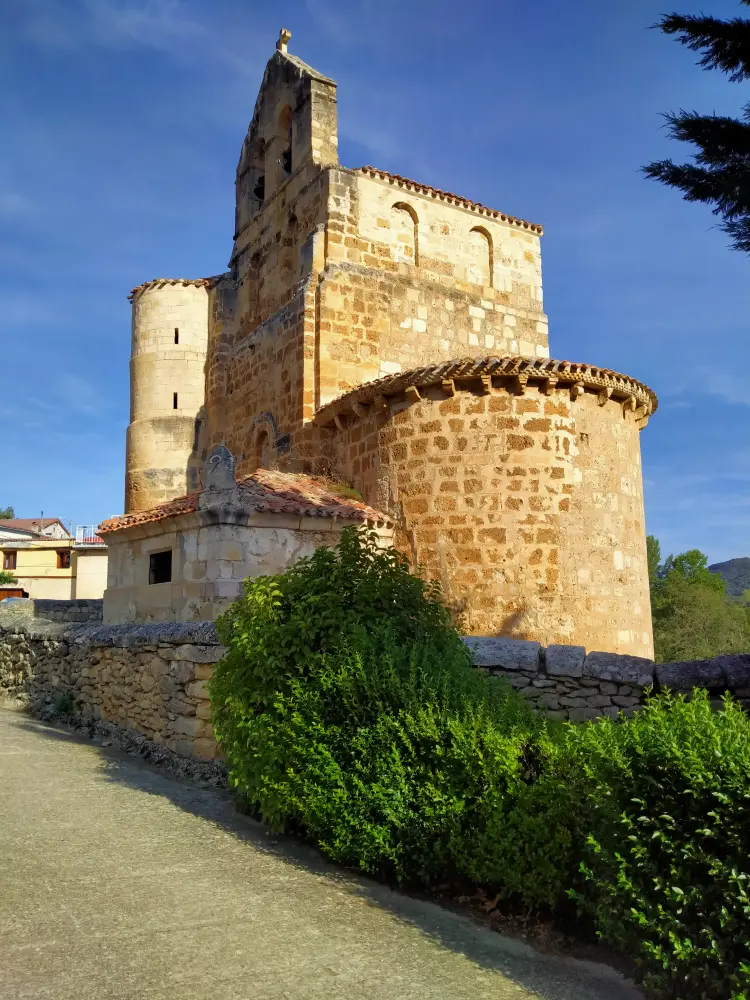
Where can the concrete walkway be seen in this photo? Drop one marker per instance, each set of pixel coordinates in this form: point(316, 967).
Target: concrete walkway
point(116, 881)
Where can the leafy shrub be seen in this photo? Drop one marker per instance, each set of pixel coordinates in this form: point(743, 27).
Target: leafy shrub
point(668, 872)
point(348, 710)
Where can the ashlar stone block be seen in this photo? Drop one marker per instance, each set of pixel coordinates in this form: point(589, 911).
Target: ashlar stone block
point(688, 674)
point(565, 661)
point(620, 668)
point(506, 654)
point(736, 669)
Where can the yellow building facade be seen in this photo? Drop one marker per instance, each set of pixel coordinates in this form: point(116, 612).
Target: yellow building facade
point(55, 568)
point(43, 567)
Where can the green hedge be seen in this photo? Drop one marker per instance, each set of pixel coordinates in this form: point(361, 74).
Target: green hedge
point(349, 712)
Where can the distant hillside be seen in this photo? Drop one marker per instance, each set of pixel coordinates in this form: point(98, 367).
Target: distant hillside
point(737, 574)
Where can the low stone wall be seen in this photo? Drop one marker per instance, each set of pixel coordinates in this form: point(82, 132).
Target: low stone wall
point(569, 683)
point(151, 679)
point(80, 610)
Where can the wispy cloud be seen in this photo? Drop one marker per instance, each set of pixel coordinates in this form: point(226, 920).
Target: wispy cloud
point(729, 386)
point(78, 395)
point(68, 396)
point(184, 30)
point(14, 205)
point(22, 310)
point(74, 24)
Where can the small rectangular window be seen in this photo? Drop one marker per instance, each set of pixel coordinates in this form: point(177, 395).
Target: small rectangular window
point(174, 401)
point(160, 567)
point(9, 560)
point(176, 335)
point(63, 559)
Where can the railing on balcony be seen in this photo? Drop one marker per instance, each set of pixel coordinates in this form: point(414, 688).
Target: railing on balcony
point(86, 535)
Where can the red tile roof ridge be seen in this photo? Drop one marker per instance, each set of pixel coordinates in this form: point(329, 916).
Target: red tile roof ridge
point(267, 491)
point(160, 282)
point(475, 206)
point(169, 508)
point(468, 368)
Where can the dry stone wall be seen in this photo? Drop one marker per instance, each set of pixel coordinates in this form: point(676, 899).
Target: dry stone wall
point(151, 679)
point(569, 683)
point(80, 610)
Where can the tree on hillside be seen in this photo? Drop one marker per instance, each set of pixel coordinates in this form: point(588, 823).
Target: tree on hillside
point(653, 555)
point(6, 512)
point(720, 175)
point(692, 567)
point(693, 617)
point(692, 622)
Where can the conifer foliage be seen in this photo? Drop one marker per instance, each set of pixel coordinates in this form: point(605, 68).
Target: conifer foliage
point(720, 175)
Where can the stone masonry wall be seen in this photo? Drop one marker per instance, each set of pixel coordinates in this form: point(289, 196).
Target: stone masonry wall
point(569, 683)
point(412, 279)
point(167, 388)
point(527, 508)
point(80, 610)
point(151, 679)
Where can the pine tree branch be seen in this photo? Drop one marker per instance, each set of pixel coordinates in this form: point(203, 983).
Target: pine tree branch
point(739, 233)
point(728, 189)
point(722, 141)
point(725, 44)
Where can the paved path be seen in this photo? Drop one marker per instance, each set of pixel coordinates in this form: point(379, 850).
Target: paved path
point(118, 882)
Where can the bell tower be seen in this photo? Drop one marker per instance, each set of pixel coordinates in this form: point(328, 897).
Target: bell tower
point(294, 126)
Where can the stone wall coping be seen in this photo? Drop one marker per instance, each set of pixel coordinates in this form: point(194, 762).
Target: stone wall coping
point(617, 667)
point(143, 634)
point(198, 642)
point(506, 654)
point(725, 672)
point(560, 660)
point(53, 609)
point(564, 661)
point(75, 603)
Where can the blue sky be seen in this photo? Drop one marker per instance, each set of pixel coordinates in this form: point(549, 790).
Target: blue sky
point(122, 122)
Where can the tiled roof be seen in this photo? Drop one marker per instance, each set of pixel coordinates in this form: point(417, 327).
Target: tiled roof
point(160, 282)
point(468, 370)
point(170, 508)
point(35, 524)
point(455, 199)
point(267, 492)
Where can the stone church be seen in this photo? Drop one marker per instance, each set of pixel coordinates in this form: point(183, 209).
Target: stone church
point(377, 352)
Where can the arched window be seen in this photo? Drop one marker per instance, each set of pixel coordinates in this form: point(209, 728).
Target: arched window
point(252, 191)
point(258, 169)
point(482, 267)
point(405, 234)
point(264, 450)
point(284, 132)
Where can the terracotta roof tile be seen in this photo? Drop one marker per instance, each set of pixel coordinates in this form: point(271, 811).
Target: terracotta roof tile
point(160, 282)
point(267, 491)
point(464, 370)
point(170, 508)
point(456, 199)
